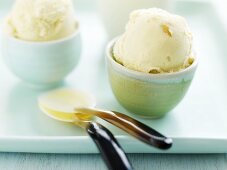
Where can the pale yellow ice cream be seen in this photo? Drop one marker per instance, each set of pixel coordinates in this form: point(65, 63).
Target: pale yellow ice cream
point(41, 20)
point(154, 41)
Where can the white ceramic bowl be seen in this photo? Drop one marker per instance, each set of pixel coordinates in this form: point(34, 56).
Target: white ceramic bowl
point(42, 63)
point(115, 13)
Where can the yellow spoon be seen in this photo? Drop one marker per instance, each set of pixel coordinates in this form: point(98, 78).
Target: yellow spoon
point(62, 99)
point(64, 104)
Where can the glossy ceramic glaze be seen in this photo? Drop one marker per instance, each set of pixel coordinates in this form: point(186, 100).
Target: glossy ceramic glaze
point(42, 64)
point(147, 95)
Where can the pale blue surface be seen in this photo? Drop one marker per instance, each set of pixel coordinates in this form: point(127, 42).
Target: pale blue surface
point(17, 161)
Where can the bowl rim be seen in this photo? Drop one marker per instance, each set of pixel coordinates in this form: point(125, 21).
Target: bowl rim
point(63, 39)
point(134, 73)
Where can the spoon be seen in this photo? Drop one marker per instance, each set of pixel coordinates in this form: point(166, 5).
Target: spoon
point(68, 103)
point(111, 151)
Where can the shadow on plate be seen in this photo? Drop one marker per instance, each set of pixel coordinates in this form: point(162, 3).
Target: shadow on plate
point(26, 118)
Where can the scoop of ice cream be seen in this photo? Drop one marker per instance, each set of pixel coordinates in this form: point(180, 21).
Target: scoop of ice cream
point(41, 20)
point(154, 41)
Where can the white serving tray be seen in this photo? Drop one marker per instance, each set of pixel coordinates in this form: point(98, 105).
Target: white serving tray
point(197, 125)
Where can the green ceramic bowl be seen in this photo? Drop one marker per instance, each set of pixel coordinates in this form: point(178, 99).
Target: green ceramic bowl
point(147, 95)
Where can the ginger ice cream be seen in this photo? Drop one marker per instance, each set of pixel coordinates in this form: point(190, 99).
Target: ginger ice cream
point(41, 20)
point(155, 41)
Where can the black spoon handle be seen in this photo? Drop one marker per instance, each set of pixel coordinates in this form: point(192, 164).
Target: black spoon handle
point(140, 130)
point(133, 127)
point(111, 151)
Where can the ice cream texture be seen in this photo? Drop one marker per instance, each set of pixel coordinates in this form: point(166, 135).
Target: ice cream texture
point(41, 20)
point(154, 41)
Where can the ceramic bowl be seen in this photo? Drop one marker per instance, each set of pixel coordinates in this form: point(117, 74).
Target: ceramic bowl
point(147, 95)
point(42, 63)
point(115, 13)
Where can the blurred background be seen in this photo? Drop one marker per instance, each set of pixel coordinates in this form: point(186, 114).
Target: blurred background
point(117, 11)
